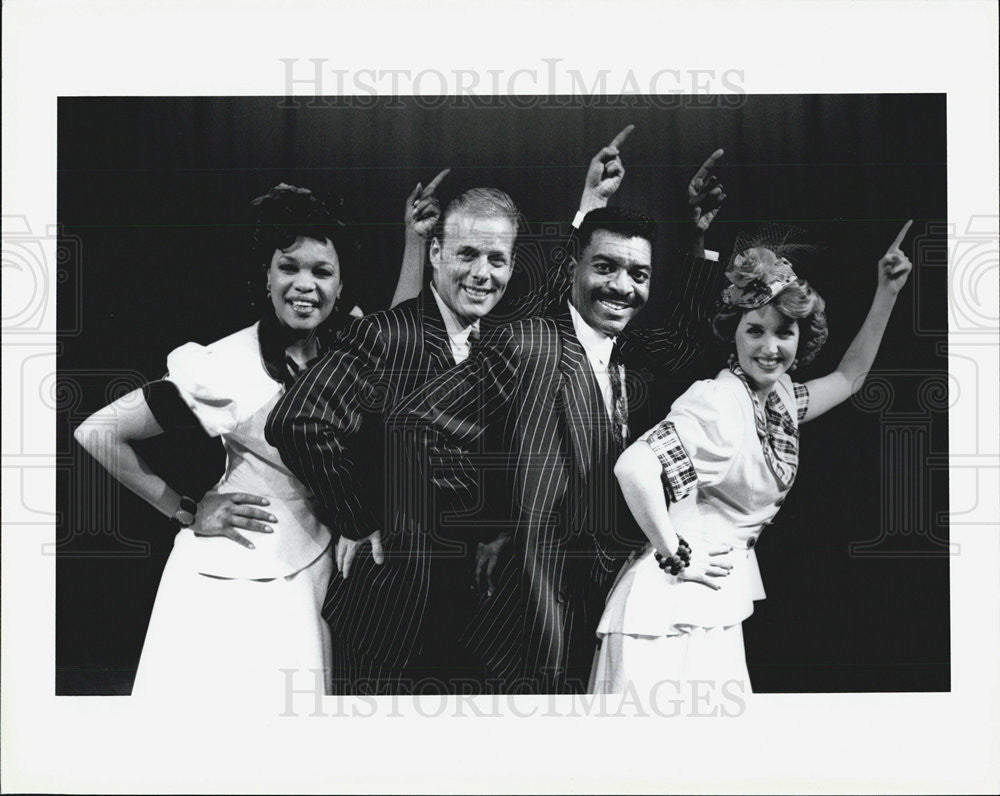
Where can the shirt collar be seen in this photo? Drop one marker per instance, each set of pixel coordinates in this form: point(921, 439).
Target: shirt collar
point(456, 331)
point(595, 342)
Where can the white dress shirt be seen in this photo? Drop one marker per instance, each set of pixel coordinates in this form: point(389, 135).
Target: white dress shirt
point(598, 347)
point(458, 335)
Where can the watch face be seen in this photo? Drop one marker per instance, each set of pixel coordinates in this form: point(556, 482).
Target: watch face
point(185, 518)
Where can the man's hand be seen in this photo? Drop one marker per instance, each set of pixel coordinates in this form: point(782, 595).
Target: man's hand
point(705, 195)
point(487, 555)
point(422, 208)
point(604, 176)
point(348, 548)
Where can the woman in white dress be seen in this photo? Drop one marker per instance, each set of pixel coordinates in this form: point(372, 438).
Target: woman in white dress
point(704, 482)
point(242, 589)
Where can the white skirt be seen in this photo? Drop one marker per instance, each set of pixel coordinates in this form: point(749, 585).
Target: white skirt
point(624, 662)
point(212, 636)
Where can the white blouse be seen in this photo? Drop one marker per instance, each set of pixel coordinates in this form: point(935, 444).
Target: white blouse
point(736, 494)
point(229, 391)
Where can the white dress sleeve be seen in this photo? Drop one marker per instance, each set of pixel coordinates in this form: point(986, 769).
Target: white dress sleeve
point(697, 441)
point(203, 380)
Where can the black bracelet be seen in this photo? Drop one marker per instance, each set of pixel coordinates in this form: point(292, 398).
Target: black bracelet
point(677, 562)
point(186, 511)
point(684, 551)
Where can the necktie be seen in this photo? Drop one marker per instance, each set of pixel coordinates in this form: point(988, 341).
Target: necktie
point(619, 399)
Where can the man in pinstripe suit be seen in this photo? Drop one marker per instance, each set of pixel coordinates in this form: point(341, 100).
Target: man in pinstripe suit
point(329, 429)
point(522, 439)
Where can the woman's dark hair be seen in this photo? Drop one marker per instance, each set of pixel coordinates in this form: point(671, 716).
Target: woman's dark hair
point(798, 302)
point(286, 212)
point(282, 215)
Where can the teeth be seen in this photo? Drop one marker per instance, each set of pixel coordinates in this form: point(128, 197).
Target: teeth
point(618, 305)
point(303, 305)
point(477, 291)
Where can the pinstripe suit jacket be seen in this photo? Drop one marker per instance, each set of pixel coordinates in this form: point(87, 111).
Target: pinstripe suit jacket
point(518, 439)
point(330, 429)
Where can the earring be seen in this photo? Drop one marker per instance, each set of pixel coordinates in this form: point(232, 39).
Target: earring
point(793, 366)
point(732, 360)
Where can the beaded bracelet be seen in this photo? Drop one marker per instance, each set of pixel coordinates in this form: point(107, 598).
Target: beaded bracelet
point(677, 562)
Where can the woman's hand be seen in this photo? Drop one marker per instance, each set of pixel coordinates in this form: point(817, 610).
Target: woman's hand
point(422, 208)
point(894, 267)
point(708, 566)
point(228, 514)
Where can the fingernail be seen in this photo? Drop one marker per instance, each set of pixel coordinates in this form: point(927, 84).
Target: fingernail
point(272, 518)
point(251, 546)
point(265, 502)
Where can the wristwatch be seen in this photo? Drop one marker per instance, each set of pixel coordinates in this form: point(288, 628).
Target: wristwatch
point(186, 512)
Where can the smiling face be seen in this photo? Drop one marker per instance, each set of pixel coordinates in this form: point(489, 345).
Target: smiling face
point(766, 344)
point(473, 263)
point(611, 280)
point(304, 283)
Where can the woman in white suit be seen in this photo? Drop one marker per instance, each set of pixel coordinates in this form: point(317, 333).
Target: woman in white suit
point(705, 481)
point(242, 589)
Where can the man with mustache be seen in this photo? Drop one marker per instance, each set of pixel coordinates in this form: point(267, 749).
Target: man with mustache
point(522, 438)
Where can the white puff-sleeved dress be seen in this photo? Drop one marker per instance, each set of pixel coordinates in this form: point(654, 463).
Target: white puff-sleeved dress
point(228, 619)
point(727, 465)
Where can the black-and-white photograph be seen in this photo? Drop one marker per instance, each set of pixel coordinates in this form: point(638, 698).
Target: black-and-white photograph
point(437, 398)
point(535, 399)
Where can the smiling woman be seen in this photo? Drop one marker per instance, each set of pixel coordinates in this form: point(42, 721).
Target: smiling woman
point(241, 592)
point(717, 469)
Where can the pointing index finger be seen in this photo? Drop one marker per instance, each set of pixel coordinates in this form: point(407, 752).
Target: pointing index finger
point(706, 167)
point(619, 139)
point(435, 182)
point(901, 235)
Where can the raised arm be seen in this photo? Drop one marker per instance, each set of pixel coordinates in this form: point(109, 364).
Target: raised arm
point(828, 391)
point(685, 333)
point(604, 174)
point(543, 282)
point(705, 197)
point(419, 217)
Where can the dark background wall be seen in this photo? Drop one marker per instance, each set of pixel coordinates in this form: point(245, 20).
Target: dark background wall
point(153, 199)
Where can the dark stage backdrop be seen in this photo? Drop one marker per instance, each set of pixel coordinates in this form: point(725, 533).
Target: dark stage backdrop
point(153, 200)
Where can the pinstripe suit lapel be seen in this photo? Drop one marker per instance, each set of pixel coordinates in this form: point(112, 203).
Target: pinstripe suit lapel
point(578, 390)
point(436, 342)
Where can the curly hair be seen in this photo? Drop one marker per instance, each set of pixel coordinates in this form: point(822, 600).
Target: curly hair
point(620, 221)
point(797, 302)
point(287, 212)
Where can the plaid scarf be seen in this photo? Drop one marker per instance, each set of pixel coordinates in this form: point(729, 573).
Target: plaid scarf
point(779, 436)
